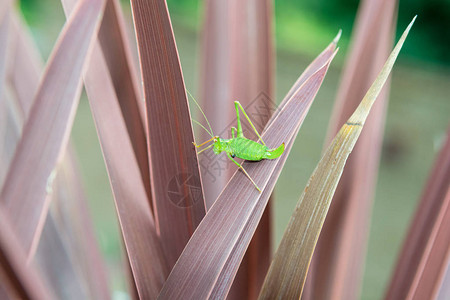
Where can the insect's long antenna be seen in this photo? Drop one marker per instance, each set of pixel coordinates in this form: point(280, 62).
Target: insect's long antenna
point(199, 124)
point(201, 110)
point(204, 143)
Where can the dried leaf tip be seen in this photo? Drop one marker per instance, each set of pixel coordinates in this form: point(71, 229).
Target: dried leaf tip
point(338, 37)
point(361, 113)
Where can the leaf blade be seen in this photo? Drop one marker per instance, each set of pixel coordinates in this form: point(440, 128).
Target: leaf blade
point(177, 194)
point(147, 261)
point(338, 261)
point(291, 262)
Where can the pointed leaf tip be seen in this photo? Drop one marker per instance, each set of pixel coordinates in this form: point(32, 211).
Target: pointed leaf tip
point(338, 37)
point(363, 109)
point(287, 273)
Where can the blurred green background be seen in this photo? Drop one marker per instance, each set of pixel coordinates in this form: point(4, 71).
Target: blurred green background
point(417, 118)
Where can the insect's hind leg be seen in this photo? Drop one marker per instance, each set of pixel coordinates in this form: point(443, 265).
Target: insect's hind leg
point(245, 172)
point(238, 105)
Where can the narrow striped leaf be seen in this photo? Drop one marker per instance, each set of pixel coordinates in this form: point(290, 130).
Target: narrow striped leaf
point(126, 172)
point(177, 193)
point(287, 273)
point(114, 42)
point(211, 258)
point(114, 49)
point(147, 260)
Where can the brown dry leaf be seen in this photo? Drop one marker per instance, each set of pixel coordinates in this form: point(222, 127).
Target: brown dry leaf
point(338, 260)
point(210, 260)
point(175, 178)
point(421, 239)
point(287, 273)
point(47, 128)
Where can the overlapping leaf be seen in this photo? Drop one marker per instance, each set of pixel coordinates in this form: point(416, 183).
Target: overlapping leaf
point(60, 254)
point(116, 53)
point(143, 246)
point(287, 273)
point(125, 170)
point(47, 129)
point(241, 68)
point(339, 256)
point(210, 259)
point(175, 178)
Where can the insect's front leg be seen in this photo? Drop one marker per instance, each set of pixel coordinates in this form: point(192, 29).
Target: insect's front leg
point(233, 132)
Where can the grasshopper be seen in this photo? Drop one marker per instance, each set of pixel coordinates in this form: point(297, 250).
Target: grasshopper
point(238, 146)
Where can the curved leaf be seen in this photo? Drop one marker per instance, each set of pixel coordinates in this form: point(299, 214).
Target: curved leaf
point(211, 258)
point(287, 273)
point(177, 193)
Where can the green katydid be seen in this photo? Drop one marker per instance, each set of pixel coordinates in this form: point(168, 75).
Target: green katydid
point(238, 146)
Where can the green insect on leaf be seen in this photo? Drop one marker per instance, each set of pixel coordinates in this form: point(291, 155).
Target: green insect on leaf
point(238, 146)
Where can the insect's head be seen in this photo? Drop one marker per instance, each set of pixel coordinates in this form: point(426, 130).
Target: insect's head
point(218, 145)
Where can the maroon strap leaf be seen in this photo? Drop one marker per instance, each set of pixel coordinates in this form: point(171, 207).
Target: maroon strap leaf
point(114, 49)
point(175, 177)
point(148, 263)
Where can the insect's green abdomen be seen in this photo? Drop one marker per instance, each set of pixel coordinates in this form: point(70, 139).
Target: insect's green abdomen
point(247, 149)
point(274, 153)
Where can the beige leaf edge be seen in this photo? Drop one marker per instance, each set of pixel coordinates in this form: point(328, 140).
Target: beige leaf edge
point(288, 270)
